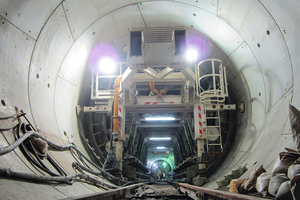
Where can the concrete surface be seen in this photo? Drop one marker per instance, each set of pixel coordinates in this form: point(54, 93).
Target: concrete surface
point(44, 47)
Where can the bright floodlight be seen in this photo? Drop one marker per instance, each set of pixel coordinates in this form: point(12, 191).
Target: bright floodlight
point(160, 147)
point(160, 138)
point(159, 118)
point(191, 55)
point(107, 65)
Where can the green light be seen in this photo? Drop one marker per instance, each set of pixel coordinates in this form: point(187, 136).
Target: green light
point(164, 164)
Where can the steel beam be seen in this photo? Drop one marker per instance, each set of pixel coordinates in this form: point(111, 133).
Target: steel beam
point(158, 109)
point(127, 76)
point(221, 107)
point(162, 74)
point(189, 74)
point(98, 109)
point(143, 77)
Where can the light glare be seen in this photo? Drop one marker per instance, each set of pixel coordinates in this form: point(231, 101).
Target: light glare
point(191, 55)
point(159, 118)
point(160, 147)
point(160, 138)
point(107, 65)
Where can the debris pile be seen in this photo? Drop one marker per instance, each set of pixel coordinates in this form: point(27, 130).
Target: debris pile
point(233, 175)
point(284, 180)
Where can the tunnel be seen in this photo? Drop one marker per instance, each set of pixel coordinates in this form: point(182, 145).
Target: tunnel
point(47, 50)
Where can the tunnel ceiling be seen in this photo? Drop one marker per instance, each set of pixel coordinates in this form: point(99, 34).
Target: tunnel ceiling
point(237, 38)
point(256, 40)
point(80, 25)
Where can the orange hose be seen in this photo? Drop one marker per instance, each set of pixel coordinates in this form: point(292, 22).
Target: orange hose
point(116, 104)
point(152, 88)
point(155, 91)
point(164, 90)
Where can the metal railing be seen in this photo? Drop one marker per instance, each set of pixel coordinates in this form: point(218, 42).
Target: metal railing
point(211, 81)
point(97, 78)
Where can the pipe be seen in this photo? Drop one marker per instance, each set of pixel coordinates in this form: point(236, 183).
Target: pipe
point(116, 104)
point(155, 91)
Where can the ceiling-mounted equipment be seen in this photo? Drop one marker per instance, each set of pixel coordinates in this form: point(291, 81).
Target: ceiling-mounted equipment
point(156, 46)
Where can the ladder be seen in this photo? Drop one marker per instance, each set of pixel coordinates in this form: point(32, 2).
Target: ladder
point(213, 127)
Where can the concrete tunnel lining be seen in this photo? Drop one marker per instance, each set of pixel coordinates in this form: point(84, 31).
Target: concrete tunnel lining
point(265, 77)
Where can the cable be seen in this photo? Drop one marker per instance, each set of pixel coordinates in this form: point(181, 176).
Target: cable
point(79, 157)
point(87, 143)
point(125, 183)
point(72, 153)
point(97, 182)
point(102, 172)
point(30, 124)
point(77, 166)
point(32, 177)
point(54, 147)
point(13, 116)
point(19, 141)
point(8, 128)
point(105, 174)
point(36, 164)
point(56, 166)
point(28, 150)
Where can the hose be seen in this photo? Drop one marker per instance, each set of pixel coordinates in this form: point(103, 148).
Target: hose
point(33, 156)
point(19, 141)
point(76, 155)
point(97, 182)
point(30, 124)
point(13, 116)
point(37, 178)
point(55, 147)
point(7, 172)
point(103, 173)
point(78, 166)
point(8, 128)
point(155, 91)
point(67, 147)
point(116, 105)
point(29, 152)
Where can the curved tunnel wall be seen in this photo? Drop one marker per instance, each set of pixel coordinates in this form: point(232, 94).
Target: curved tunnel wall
point(45, 47)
